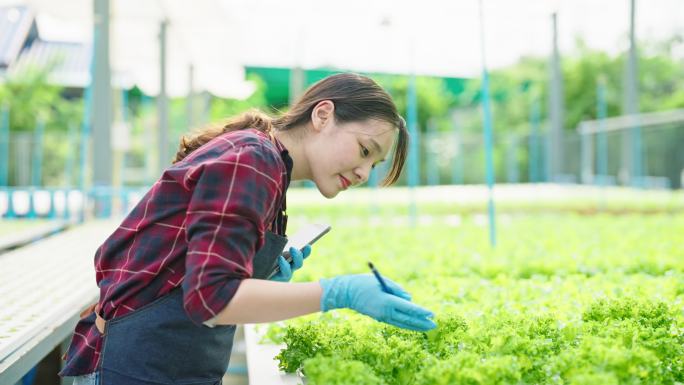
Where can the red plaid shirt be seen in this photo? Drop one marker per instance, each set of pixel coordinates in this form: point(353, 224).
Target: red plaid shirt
point(198, 227)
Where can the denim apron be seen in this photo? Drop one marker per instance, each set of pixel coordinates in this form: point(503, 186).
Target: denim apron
point(158, 344)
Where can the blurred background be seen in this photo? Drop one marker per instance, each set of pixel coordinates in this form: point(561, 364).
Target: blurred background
point(94, 95)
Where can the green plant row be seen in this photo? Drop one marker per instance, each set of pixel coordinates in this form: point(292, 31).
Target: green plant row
point(562, 299)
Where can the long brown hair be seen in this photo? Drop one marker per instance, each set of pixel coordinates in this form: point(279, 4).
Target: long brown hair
point(356, 98)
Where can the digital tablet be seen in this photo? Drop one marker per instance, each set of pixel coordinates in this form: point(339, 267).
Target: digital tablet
point(306, 235)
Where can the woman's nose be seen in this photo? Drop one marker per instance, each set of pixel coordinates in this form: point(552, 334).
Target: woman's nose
point(362, 174)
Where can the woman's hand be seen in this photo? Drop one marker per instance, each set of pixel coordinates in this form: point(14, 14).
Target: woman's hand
point(286, 268)
point(364, 294)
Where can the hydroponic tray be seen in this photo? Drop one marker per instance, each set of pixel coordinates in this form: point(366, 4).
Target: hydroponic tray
point(262, 368)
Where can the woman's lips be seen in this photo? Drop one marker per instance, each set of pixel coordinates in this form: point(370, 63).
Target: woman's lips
point(345, 182)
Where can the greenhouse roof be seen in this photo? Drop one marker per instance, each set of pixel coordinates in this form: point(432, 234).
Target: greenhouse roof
point(16, 25)
point(199, 35)
point(69, 62)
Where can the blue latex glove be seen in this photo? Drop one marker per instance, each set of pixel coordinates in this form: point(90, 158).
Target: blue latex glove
point(286, 268)
point(364, 294)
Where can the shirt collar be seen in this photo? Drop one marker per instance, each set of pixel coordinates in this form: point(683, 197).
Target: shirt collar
point(287, 159)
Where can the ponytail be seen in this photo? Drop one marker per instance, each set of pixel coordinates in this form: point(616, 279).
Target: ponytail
point(250, 119)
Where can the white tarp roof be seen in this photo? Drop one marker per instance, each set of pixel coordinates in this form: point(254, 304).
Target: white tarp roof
point(439, 37)
point(199, 32)
point(435, 37)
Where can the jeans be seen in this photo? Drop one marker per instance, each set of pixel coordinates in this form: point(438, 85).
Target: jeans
point(87, 379)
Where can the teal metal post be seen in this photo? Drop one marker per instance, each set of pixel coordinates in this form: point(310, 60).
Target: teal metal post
point(512, 163)
point(555, 152)
point(633, 159)
point(52, 213)
point(4, 158)
point(413, 155)
point(601, 137)
point(586, 152)
point(373, 185)
point(163, 100)
point(101, 118)
point(37, 158)
point(547, 155)
point(149, 162)
point(488, 134)
point(4, 146)
point(123, 196)
point(36, 165)
point(637, 155)
point(373, 178)
point(430, 155)
point(85, 141)
point(10, 204)
point(457, 172)
point(69, 163)
point(534, 161)
point(72, 135)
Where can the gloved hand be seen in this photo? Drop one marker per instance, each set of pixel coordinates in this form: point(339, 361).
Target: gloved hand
point(364, 294)
point(287, 268)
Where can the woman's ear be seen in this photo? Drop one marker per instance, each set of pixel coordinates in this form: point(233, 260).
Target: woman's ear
point(322, 114)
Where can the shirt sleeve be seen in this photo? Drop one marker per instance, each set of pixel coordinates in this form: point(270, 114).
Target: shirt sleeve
point(232, 199)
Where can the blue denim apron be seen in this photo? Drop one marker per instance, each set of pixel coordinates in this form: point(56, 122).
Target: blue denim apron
point(158, 344)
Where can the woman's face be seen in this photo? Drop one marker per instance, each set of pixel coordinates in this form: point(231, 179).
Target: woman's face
point(341, 155)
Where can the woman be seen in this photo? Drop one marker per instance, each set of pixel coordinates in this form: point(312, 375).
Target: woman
point(181, 270)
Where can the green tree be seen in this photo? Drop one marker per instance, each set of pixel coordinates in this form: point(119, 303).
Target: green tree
point(31, 97)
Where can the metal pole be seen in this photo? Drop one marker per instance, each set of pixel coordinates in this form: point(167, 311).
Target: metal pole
point(632, 146)
point(373, 184)
point(148, 137)
point(601, 136)
point(556, 107)
point(37, 158)
point(36, 165)
point(121, 152)
point(69, 163)
point(4, 158)
point(488, 133)
point(85, 141)
point(373, 178)
point(4, 145)
point(207, 98)
point(512, 161)
point(534, 161)
point(457, 172)
point(102, 108)
point(163, 102)
point(190, 99)
point(72, 139)
point(413, 156)
point(125, 119)
point(432, 166)
point(296, 86)
point(586, 157)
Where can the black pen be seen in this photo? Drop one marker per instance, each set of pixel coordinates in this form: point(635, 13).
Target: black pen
point(377, 275)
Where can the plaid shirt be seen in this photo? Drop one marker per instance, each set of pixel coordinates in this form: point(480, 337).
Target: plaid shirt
point(198, 227)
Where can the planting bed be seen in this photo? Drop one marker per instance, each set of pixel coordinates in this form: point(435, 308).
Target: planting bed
point(562, 299)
